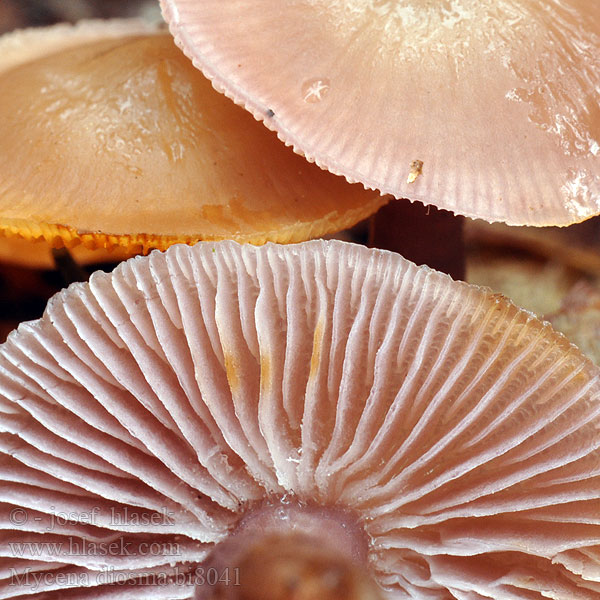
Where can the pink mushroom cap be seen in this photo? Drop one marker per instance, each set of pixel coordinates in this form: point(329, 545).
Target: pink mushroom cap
point(487, 108)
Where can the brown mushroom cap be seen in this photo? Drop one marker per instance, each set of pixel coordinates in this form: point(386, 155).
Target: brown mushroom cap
point(122, 142)
point(487, 108)
point(190, 394)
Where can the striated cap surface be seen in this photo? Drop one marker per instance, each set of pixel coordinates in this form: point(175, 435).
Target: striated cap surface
point(487, 108)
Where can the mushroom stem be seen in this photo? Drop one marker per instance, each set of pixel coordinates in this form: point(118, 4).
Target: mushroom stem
point(294, 552)
point(66, 265)
point(424, 234)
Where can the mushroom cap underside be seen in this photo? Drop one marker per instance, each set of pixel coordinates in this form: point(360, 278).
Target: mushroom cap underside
point(154, 407)
point(36, 253)
point(122, 142)
point(487, 108)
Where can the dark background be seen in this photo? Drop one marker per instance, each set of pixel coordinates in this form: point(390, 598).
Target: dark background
point(27, 13)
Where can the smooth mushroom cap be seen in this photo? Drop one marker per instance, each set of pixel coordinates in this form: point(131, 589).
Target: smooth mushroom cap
point(449, 437)
point(487, 108)
point(121, 142)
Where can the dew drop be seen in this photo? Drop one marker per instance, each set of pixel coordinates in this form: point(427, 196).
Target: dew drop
point(314, 90)
point(135, 170)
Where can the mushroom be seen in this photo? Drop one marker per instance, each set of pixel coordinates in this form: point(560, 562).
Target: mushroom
point(37, 254)
point(487, 108)
point(308, 419)
point(111, 138)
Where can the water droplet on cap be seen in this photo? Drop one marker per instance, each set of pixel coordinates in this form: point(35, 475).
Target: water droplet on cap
point(314, 90)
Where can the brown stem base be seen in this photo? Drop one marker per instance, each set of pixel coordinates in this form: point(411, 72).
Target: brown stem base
point(285, 550)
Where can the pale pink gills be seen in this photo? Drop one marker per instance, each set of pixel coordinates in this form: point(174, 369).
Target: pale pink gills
point(487, 108)
point(345, 420)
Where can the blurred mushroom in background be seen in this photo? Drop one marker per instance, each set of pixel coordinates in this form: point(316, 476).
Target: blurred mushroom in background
point(16, 14)
point(24, 292)
point(111, 138)
point(112, 141)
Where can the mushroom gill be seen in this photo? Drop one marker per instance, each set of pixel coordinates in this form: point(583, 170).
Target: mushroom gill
point(197, 415)
point(487, 108)
point(119, 141)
